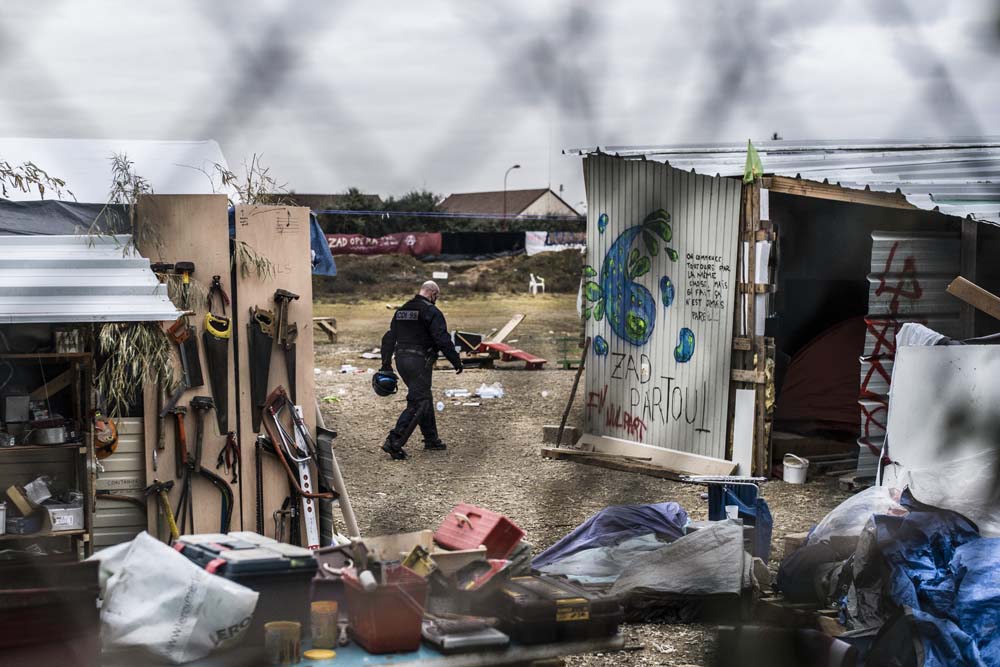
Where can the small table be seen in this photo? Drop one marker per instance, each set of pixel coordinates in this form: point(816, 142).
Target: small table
point(355, 656)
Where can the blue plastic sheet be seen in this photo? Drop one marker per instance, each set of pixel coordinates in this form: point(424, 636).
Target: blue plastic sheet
point(614, 525)
point(946, 576)
point(752, 509)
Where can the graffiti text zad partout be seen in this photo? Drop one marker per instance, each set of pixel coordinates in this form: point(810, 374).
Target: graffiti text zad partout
point(664, 400)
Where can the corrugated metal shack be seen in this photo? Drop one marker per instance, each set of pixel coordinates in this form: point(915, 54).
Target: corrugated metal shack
point(858, 237)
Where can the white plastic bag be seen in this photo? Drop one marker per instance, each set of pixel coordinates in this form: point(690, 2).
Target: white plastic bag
point(157, 600)
point(848, 519)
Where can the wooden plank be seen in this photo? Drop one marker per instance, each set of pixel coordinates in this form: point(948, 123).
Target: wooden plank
point(53, 386)
point(670, 459)
point(741, 344)
point(755, 288)
point(750, 377)
point(975, 296)
point(622, 464)
point(191, 228)
point(281, 233)
point(761, 448)
point(970, 247)
point(566, 452)
point(817, 190)
point(794, 541)
point(506, 329)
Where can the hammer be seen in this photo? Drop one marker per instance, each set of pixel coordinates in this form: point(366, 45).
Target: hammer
point(201, 405)
point(185, 269)
point(180, 439)
point(161, 268)
point(287, 333)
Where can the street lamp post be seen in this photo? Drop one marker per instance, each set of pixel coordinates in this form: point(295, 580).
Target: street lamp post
point(506, 173)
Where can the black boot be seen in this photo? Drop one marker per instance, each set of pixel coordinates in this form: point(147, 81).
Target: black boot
point(393, 450)
point(429, 429)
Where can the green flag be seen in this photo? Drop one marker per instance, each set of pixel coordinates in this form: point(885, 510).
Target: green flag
point(753, 169)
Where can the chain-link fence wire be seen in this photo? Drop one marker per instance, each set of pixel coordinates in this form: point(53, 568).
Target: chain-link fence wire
point(550, 63)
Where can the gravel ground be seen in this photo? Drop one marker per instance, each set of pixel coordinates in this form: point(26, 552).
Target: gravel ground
point(493, 459)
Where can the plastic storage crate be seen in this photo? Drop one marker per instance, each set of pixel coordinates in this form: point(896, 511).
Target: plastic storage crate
point(388, 619)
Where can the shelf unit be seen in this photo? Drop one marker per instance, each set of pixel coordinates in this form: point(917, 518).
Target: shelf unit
point(73, 461)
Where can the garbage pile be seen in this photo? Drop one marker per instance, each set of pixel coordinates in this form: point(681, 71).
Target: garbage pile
point(913, 584)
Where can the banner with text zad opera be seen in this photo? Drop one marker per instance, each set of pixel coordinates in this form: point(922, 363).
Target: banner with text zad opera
point(403, 243)
point(659, 293)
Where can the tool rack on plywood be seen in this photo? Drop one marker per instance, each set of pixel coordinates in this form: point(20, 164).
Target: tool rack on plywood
point(196, 228)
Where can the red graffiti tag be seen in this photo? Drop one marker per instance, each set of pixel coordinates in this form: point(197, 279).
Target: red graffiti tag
point(634, 426)
point(883, 331)
point(595, 399)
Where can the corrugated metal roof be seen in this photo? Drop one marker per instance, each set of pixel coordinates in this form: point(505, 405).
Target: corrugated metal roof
point(959, 177)
point(78, 279)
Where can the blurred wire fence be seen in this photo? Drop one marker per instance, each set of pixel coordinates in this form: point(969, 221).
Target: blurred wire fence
point(551, 58)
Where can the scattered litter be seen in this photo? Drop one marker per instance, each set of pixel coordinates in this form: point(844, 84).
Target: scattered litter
point(494, 390)
point(331, 399)
point(457, 393)
point(347, 368)
point(329, 371)
point(341, 391)
point(545, 393)
point(471, 405)
point(317, 371)
point(514, 340)
point(440, 406)
point(371, 354)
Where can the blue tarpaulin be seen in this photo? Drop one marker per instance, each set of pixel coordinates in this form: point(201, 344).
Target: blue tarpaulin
point(947, 578)
point(613, 525)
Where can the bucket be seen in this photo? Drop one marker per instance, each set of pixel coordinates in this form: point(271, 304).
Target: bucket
point(796, 468)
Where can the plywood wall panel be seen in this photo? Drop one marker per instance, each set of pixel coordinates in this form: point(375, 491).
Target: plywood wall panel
point(281, 233)
point(660, 310)
point(191, 228)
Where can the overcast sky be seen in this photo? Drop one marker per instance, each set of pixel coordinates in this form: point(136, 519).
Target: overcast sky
point(391, 96)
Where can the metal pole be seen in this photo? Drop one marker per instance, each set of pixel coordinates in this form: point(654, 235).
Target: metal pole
point(339, 486)
point(505, 174)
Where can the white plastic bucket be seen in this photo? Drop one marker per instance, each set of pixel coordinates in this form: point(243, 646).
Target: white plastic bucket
point(796, 468)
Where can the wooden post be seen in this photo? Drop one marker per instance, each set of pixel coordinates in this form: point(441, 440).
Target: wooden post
point(970, 245)
point(572, 393)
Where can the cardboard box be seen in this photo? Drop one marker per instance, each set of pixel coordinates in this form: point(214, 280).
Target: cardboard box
point(16, 495)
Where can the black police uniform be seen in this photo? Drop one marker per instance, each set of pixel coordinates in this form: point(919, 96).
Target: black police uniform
point(416, 334)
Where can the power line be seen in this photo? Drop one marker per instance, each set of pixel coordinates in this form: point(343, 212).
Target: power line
point(443, 215)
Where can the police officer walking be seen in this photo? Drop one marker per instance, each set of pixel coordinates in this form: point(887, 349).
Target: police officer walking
point(416, 334)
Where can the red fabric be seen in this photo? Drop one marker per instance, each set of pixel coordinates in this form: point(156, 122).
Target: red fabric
point(403, 243)
point(823, 379)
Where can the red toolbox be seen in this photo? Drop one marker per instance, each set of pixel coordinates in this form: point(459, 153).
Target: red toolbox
point(468, 526)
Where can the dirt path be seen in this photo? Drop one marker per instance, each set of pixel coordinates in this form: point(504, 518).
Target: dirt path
point(493, 458)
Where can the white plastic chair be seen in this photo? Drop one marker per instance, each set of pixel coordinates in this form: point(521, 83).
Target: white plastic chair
point(535, 283)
